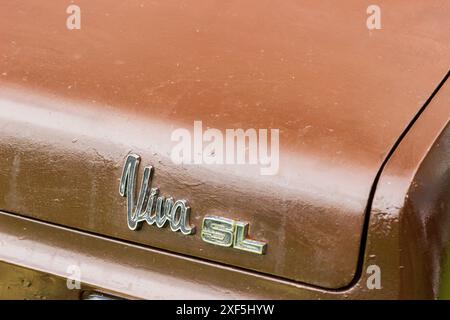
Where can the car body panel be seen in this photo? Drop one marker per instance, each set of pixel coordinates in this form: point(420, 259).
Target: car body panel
point(74, 104)
point(132, 271)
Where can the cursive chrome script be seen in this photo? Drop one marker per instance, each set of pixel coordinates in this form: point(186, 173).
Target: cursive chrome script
point(150, 206)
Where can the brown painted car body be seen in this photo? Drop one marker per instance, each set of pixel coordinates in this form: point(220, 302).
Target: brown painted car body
point(364, 145)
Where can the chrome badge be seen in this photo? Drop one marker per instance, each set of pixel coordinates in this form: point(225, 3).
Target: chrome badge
point(230, 233)
point(151, 207)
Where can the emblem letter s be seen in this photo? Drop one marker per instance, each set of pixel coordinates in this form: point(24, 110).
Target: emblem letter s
point(218, 231)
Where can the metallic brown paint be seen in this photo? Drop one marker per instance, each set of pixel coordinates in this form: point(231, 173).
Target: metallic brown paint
point(74, 104)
